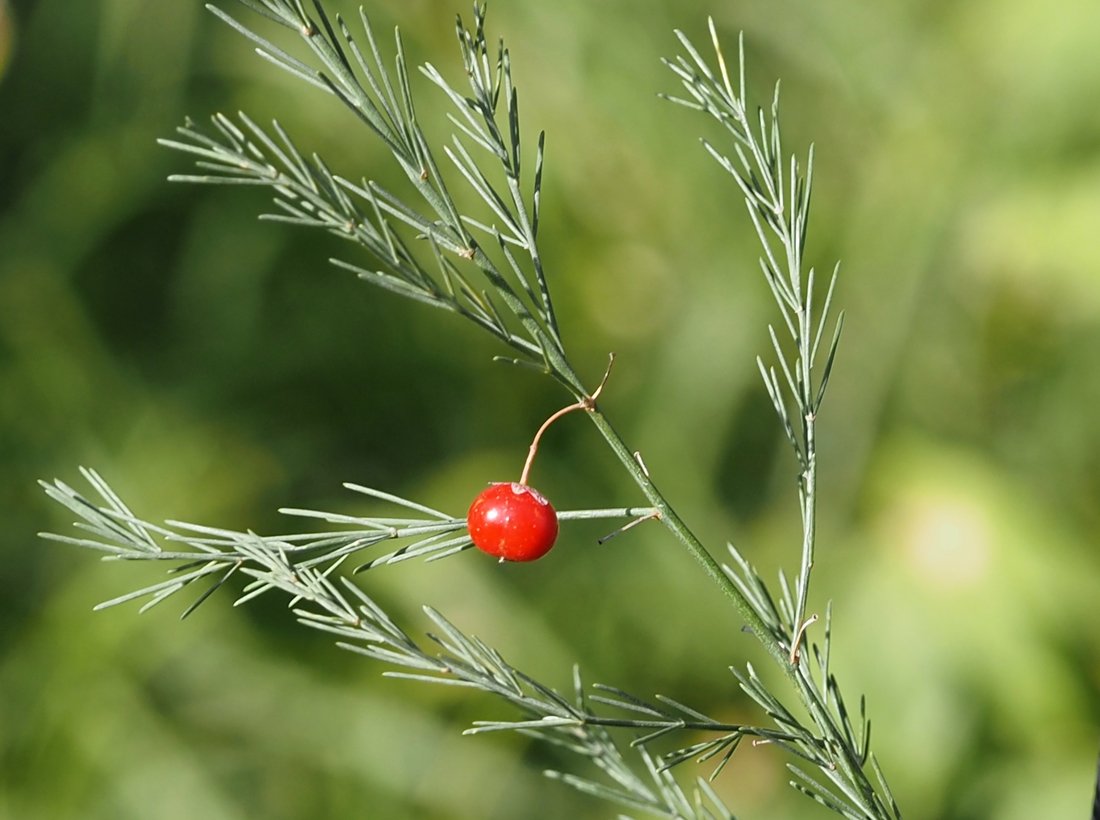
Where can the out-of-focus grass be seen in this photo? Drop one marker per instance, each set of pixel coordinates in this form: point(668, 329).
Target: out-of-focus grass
point(214, 368)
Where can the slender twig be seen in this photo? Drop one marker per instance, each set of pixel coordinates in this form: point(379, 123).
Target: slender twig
point(587, 403)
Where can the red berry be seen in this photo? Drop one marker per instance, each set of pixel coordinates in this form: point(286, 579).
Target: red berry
point(512, 521)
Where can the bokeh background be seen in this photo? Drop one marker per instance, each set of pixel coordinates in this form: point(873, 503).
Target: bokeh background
point(214, 368)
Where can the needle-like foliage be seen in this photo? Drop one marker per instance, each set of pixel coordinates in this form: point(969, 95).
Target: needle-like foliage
point(485, 266)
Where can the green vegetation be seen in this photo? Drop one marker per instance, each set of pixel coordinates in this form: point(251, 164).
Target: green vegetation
point(213, 367)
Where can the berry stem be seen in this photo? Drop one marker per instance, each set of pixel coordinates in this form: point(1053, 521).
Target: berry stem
point(586, 403)
point(534, 448)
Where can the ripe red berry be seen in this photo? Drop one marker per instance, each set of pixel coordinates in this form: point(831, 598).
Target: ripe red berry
point(513, 522)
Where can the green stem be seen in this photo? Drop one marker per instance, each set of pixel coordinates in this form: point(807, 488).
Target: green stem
point(685, 536)
point(808, 497)
point(837, 746)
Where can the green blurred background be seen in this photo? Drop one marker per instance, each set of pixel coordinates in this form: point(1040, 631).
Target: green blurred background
point(214, 368)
